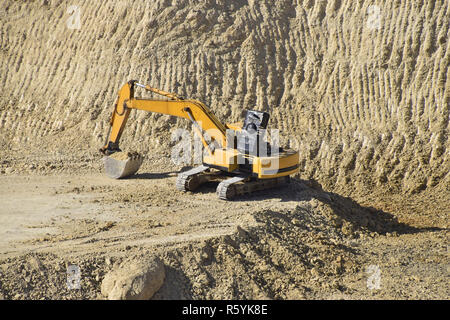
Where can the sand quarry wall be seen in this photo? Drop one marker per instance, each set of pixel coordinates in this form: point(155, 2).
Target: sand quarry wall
point(359, 87)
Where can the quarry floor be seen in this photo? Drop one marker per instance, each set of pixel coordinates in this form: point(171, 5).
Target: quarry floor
point(94, 221)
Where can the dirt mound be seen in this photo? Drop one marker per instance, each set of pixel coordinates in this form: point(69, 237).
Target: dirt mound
point(360, 90)
point(21, 279)
point(135, 279)
point(297, 254)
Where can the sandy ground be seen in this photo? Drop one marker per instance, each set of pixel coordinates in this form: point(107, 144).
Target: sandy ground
point(78, 210)
point(298, 242)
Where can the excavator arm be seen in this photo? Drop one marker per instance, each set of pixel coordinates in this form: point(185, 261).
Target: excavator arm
point(201, 117)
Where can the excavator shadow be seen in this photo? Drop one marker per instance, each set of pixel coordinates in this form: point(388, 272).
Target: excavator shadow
point(152, 175)
point(208, 187)
point(345, 209)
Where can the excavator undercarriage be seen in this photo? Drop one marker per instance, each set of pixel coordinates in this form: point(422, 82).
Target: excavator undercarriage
point(229, 186)
point(238, 157)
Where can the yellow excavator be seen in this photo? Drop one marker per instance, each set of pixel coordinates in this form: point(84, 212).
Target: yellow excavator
point(237, 155)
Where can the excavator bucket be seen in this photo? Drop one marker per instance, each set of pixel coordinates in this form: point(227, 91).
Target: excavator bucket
point(122, 164)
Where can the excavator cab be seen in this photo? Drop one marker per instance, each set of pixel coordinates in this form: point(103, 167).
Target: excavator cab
point(250, 139)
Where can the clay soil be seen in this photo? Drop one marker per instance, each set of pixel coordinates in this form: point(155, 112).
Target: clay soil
point(364, 100)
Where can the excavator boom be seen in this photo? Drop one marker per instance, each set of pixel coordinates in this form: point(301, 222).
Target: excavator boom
point(195, 111)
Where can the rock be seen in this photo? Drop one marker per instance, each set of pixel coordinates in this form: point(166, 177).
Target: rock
point(108, 261)
point(295, 294)
point(134, 280)
point(315, 272)
point(203, 280)
point(241, 233)
point(9, 170)
point(205, 255)
point(35, 263)
point(347, 229)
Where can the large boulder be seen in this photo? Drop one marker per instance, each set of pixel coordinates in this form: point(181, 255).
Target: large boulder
point(136, 279)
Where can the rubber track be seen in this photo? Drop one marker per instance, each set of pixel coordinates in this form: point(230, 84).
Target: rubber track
point(237, 186)
point(185, 179)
